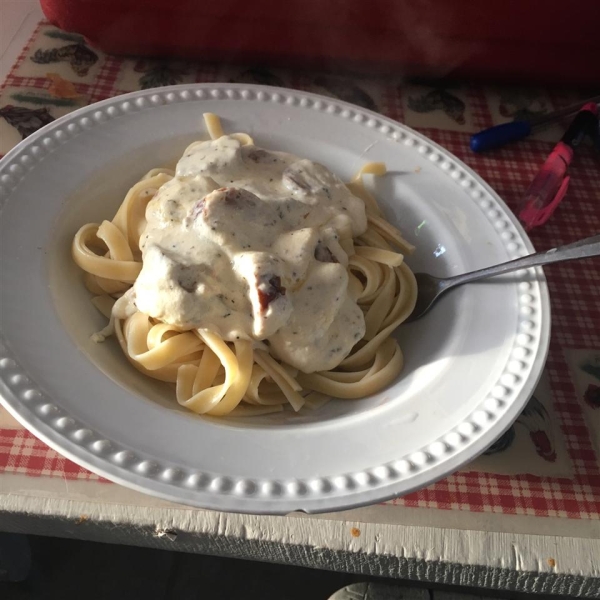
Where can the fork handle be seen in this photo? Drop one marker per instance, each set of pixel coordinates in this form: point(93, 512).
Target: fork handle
point(582, 249)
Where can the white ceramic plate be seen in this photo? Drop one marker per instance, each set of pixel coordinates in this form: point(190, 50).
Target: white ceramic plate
point(471, 364)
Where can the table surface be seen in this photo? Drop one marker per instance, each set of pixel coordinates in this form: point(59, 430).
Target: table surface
point(524, 517)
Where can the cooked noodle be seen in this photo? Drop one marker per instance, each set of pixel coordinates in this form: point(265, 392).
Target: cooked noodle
point(243, 376)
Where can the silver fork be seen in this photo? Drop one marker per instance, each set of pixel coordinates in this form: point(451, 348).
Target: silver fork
point(431, 288)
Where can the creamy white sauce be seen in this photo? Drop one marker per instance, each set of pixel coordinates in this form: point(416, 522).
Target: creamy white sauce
point(244, 242)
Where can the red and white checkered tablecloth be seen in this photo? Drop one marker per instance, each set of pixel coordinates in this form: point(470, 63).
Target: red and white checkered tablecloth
point(549, 464)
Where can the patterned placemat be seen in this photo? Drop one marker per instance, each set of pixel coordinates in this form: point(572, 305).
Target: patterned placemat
point(547, 463)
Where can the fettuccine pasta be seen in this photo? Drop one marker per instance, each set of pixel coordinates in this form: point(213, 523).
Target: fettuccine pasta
point(251, 280)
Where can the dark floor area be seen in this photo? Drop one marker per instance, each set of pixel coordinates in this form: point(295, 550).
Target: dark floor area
point(64, 569)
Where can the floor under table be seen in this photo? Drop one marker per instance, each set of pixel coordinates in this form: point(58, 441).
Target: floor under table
point(62, 569)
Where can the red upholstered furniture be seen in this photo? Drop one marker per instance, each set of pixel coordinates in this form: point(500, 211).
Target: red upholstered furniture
point(531, 40)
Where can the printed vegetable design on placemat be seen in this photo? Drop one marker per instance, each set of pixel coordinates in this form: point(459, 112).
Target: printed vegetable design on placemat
point(26, 120)
point(59, 34)
point(259, 75)
point(347, 90)
point(536, 420)
point(439, 99)
point(521, 104)
point(159, 73)
point(504, 442)
point(61, 88)
point(591, 396)
point(77, 54)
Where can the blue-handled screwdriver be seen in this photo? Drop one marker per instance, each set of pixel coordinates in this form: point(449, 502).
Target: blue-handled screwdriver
point(499, 135)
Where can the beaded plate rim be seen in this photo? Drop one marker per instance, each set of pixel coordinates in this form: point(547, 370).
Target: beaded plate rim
point(502, 404)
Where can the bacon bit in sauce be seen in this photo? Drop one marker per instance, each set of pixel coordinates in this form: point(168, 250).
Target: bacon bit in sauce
point(197, 210)
point(269, 290)
point(237, 197)
point(257, 155)
point(292, 175)
point(323, 254)
point(187, 279)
